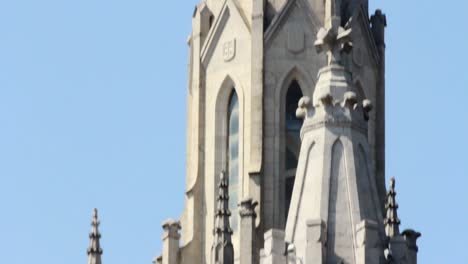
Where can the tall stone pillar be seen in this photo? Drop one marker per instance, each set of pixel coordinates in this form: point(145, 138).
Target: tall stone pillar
point(170, 240)
point(378, 23)
point(274, 248)
point(411, 238)
point(247, 232)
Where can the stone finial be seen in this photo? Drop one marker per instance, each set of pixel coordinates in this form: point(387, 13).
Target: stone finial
point(171, 228)
point(392, 223)
point(157, 260)
point(170, 240)
point(302, 108)
point(222, 250)
point(378, 24)
point(247, 235)
point(350, 99)
point(411, 238)
point(94, 250)
point(247, 207)
point(333, 38)
point(367, 106)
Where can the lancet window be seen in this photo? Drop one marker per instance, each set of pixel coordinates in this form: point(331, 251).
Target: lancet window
point(292, 141)
point(233, 157)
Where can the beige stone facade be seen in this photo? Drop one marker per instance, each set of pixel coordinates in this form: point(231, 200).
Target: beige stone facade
point(258, 51)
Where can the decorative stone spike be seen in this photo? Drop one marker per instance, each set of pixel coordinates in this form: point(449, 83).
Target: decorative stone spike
point(94, 250)
point(392, 223)
point(222, 250)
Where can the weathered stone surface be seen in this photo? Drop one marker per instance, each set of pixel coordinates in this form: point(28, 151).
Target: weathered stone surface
point(260, 50)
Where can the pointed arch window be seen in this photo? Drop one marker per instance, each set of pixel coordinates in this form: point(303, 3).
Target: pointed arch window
point(292, 127)
point(233, 157)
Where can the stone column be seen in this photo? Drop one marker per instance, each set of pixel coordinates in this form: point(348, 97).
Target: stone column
point(397, 247)
point(316, 240)
point(274, 247)
point(247, 232)
point(367, 236)
point(378, 24)
point(256, 108)
point(170, 240)
point(411, 238)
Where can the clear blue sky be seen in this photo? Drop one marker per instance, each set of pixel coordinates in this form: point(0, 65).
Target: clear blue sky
point(92, 114)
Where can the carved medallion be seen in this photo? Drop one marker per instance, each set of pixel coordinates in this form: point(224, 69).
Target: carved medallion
point(229, 50)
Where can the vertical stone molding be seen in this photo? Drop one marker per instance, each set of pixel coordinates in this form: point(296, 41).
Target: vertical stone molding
point(247, 231)
point(411, 238)
point(274, 247)
point(378, 24)
point(367, 236)
point(316, 241)
point(170, 240)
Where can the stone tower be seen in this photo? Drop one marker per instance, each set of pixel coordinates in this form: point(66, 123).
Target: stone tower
point(306, 188)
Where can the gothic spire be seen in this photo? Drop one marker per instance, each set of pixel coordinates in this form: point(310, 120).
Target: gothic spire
point(222, 250)
point(94, 250)
point(392, 223)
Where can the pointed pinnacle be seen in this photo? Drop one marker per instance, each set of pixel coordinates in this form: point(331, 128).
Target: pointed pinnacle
point(94, 250)
point(95, 217)
point(392, 222)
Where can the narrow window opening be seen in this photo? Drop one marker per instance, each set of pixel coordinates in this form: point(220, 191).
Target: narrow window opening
point(233, 157)
point(211, 21)
point(292, 141)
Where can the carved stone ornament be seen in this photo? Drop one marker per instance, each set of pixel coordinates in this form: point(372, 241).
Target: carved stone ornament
point(296, 40)
point(229, 50)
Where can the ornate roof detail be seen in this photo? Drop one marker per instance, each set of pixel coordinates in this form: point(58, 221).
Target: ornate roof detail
point(392, 223)
point(222, 250)
point(94, 250)
point(332, 38)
